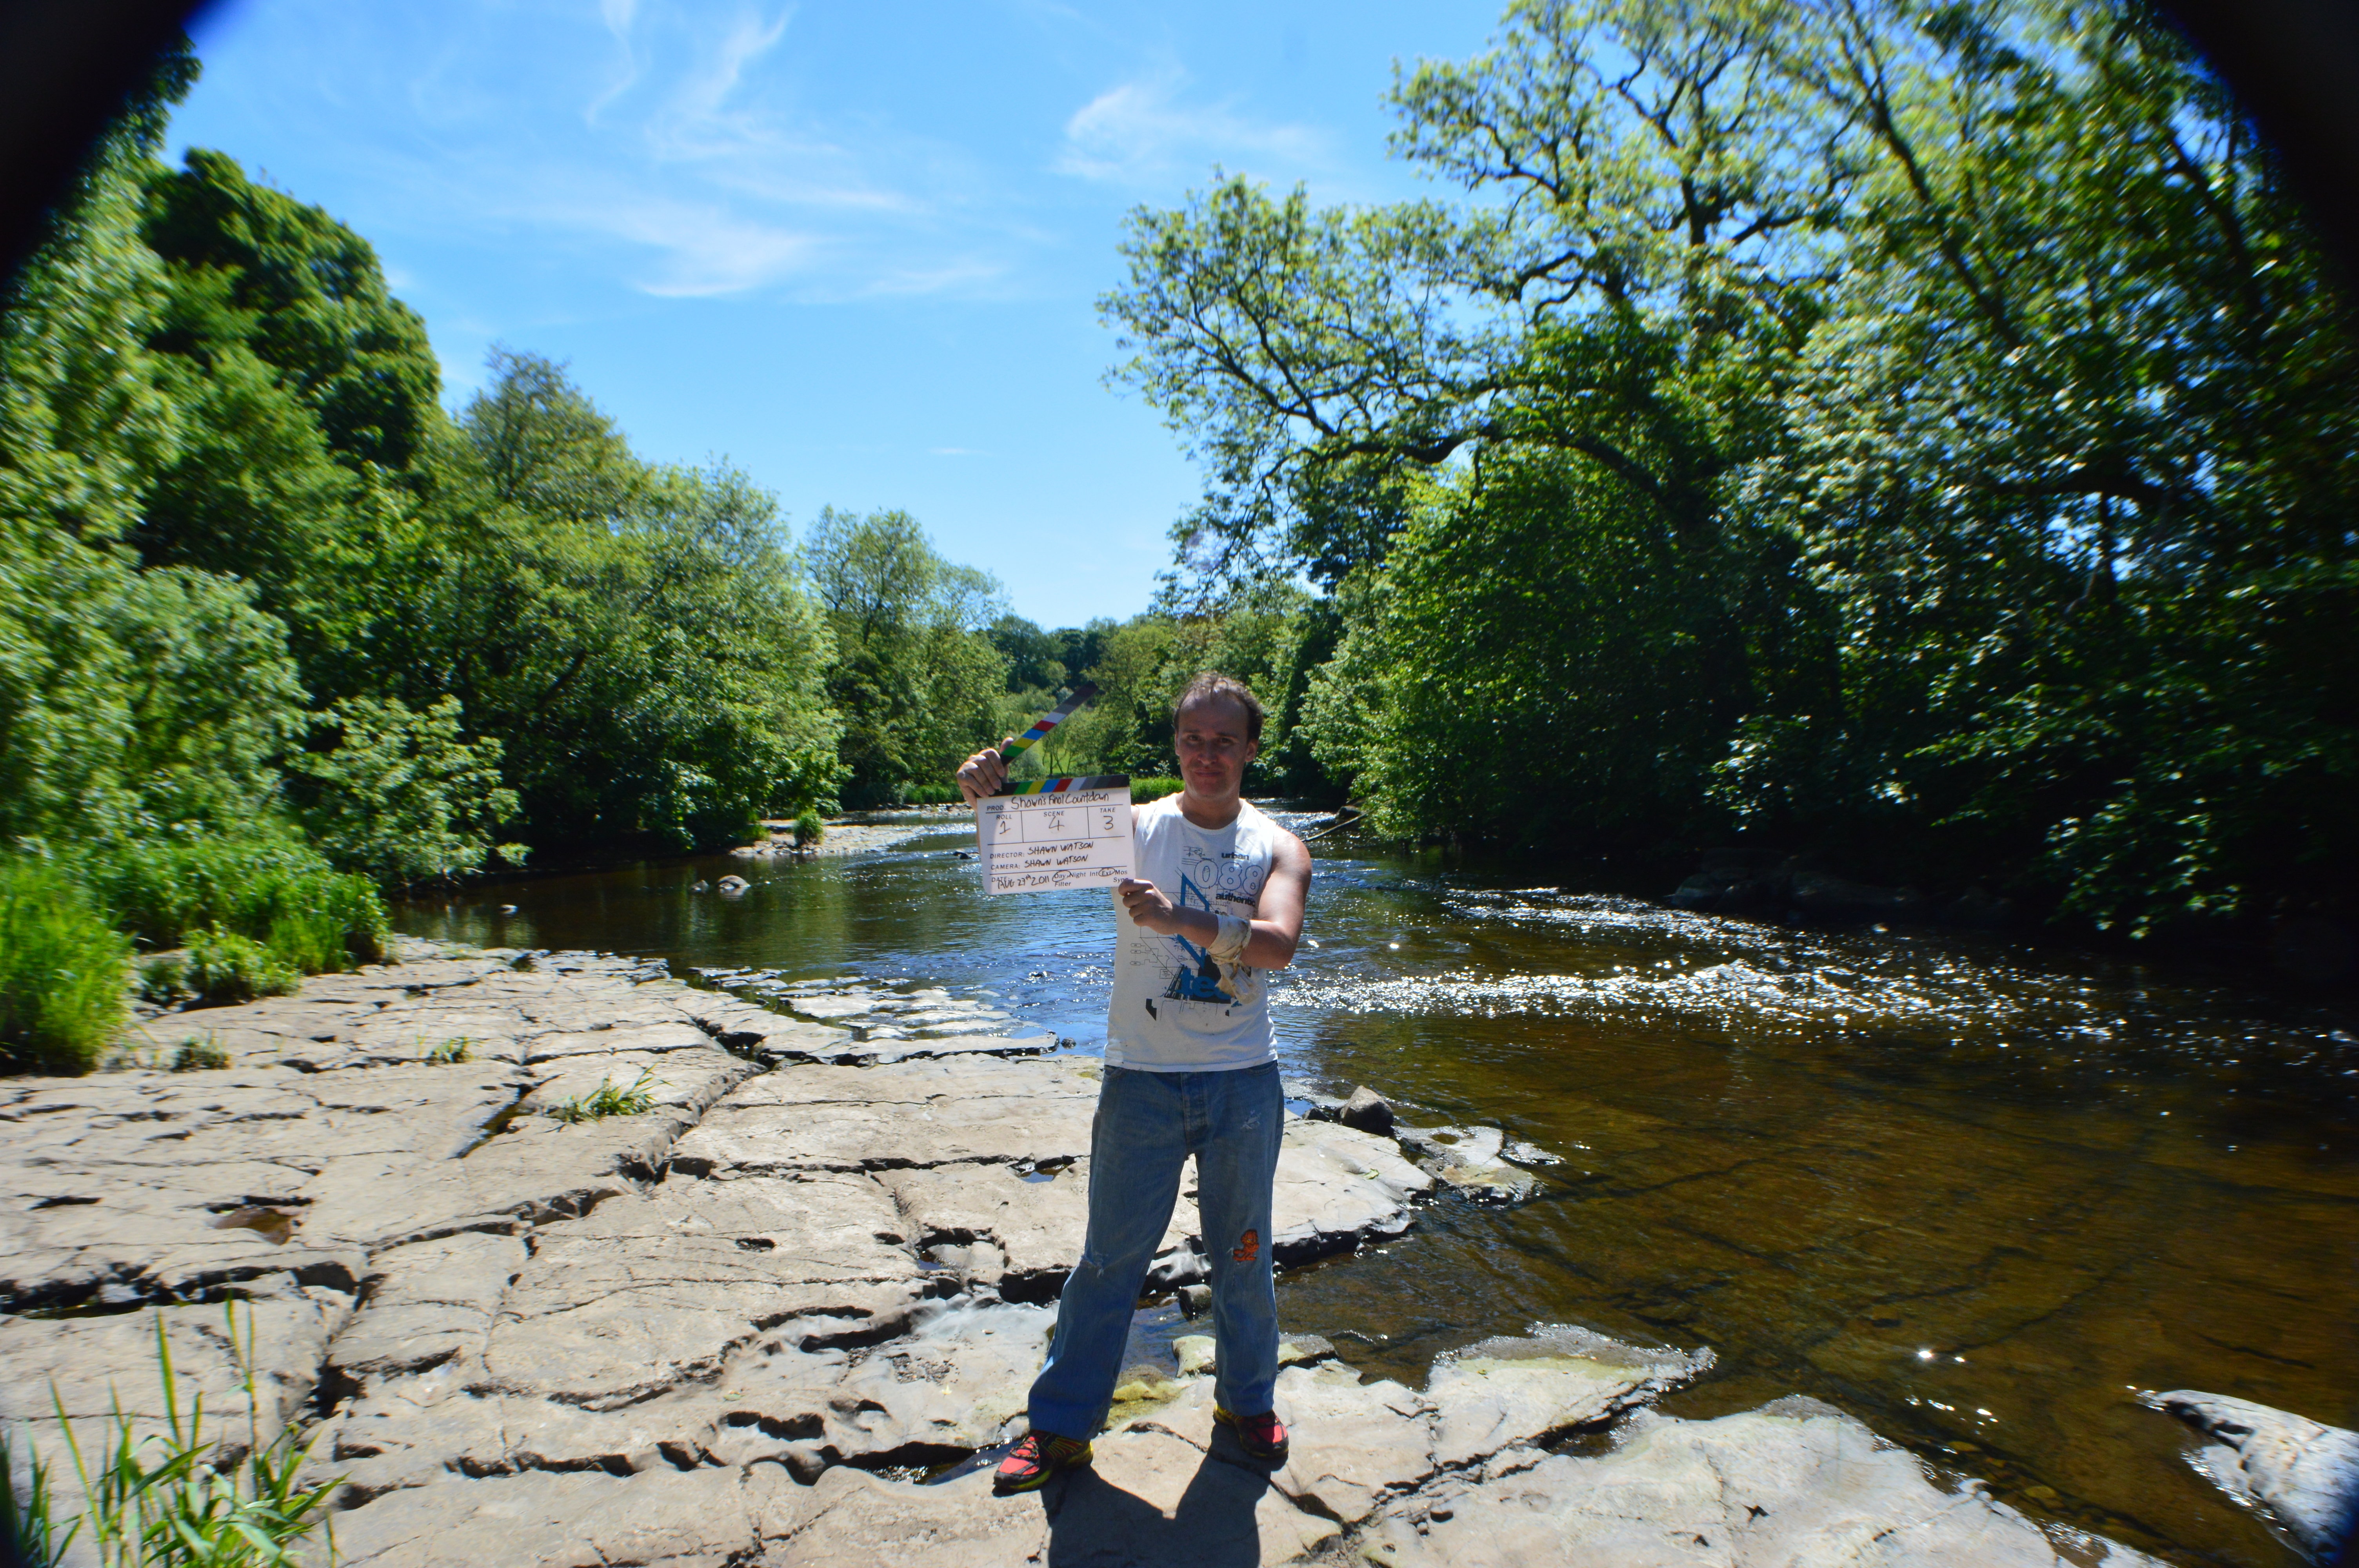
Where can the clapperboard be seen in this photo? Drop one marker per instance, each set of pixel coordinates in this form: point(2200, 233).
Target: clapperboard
point(1044, 835)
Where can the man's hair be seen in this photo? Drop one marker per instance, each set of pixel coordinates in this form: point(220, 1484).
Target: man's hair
point(1206, 686)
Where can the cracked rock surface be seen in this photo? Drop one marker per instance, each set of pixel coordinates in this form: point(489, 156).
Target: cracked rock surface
point(2301, 1473)
point(782, 1307)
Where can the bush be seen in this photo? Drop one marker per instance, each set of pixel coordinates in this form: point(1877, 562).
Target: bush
point(808, 829)
point(934, 794)
point(63, 969)
point(402, 796)
point(226, 967)
point(278, 892)
point(1143, 790)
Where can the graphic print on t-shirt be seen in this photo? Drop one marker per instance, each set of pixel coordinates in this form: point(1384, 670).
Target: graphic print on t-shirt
point(1233, 880)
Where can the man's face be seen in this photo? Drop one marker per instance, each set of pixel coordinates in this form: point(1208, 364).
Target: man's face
point(1214, 746)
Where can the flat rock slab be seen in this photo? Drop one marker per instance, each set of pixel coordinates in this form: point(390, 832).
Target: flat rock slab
point(152, 1182)
point(1796, 1484)
point(2302, 1473)
point(663, 1518)
point(1556, 1380)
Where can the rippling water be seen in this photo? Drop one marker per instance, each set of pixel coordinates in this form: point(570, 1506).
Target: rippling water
point(1973, 1193)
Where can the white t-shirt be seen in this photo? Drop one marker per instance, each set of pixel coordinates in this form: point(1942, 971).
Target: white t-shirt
point(1176, 1008)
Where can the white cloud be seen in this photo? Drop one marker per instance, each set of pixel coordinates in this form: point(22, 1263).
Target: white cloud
point(1142, 133)
point(673, 129)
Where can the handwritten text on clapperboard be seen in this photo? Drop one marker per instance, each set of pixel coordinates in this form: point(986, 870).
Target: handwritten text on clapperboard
point(1039, 843)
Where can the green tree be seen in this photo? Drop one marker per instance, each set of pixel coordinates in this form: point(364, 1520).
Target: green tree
point(916, 676)
point(1919, 435)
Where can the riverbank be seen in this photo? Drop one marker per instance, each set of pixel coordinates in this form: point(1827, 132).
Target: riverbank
point(784, 1307)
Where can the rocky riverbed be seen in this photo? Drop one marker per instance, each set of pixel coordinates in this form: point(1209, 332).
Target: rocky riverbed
point(781, 1305)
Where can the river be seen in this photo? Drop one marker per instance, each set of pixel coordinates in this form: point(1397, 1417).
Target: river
point(1974, 1192)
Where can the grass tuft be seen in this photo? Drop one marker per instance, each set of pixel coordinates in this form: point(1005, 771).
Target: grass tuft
point(29, 1531)
point(163, 979)
point(459, 1049)
point(195, 1055)
point(608, 1100)
point(226, 967)
point(62, 969)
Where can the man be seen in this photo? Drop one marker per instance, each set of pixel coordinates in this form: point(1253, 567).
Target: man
point(1190, 1068)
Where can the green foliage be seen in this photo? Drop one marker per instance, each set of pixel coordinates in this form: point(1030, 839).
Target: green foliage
point(1271, 638)
point(916, 672)
point(449, 1052)
point(1143, 790)
point(226, 967)
point(637, 639)
point(163, 979)
point(180, 1497)
point(30, 1537)
point(278, 891)
point(195, 1055)
point(608, 1098)
point(63, 969)
point(402, 796)
point(933, 794)
point(1035, 661)
point(1923, 437)
point(809, 829)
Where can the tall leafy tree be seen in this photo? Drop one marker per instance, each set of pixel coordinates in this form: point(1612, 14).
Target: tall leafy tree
point(917, 674)
point(1913, 433)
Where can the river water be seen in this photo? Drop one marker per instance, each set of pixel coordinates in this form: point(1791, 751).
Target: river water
point(1974, 1193)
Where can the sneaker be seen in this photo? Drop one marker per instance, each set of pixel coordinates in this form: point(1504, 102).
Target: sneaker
point(1263, 1437)
point(1036, 1457)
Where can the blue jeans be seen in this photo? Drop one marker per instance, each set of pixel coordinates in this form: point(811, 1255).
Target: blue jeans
point(1148, 1124)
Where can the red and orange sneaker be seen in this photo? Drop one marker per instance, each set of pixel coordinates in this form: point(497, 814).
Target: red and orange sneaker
point(1037, 1456)
point(1263, 1437)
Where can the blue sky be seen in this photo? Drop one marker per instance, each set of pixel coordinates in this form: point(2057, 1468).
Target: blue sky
point(854, 249)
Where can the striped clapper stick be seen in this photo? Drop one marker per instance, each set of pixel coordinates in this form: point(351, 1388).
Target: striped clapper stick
point(1046, 722)
point(1046, 834)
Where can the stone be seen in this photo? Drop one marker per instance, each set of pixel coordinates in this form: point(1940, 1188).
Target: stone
point(1796, 1484)
point(1471, 1161)
point(1353, 1444)
point(1367, 1111)
point(1509, 1391)
point(2302, 1473)
point(689, 1079)
point(732, 884)
point(1817, 892)
point(646, 1293)
point(98, 1365)
point(850, 1518)
point(1195, 1353)
point(1337, 1187)
point(1157, 1499)
point(428, 1303)
point(157, 1182)
point(1195, 1301)
point(663, 1518)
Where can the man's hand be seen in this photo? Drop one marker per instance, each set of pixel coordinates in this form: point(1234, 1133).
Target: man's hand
point(984, 773)
point(1147, 906)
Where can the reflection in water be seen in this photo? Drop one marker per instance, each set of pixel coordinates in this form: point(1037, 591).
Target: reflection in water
point(1973, 1194)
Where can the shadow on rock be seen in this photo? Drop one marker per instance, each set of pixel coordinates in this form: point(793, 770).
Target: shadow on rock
point(1096, 1523)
